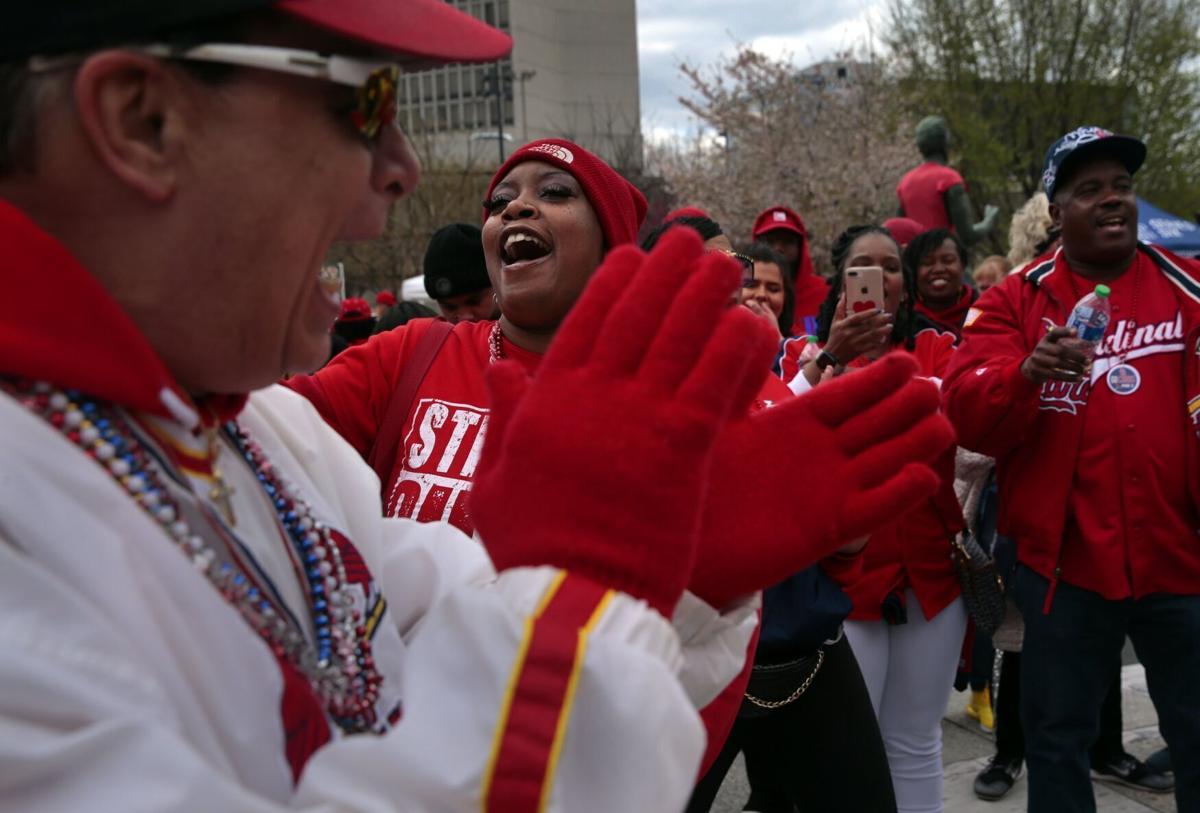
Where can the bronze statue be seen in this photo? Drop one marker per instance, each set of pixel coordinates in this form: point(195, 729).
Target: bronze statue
point(935, 195)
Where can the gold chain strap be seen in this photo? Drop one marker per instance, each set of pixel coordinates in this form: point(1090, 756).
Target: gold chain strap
point(794, 696)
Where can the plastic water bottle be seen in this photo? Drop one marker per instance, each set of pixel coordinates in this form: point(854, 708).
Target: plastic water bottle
point(1090, 318)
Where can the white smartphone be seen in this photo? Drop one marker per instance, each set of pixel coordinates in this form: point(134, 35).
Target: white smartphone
point(864, 288)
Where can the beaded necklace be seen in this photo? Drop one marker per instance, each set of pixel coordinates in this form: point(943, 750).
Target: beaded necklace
point(495, 348)
point(339, 666)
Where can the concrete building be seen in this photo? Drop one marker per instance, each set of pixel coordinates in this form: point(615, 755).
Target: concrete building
point(573, 73)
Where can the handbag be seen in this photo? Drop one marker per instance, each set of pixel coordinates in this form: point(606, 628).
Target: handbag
point(982, 587)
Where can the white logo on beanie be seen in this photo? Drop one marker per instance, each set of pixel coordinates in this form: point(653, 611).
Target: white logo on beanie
point(779, 217)
point(561, 153)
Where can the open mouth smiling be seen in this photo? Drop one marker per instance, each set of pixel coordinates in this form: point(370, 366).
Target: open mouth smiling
point(522, 247)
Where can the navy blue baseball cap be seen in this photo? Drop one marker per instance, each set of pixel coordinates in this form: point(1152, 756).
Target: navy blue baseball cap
point(1083, 142)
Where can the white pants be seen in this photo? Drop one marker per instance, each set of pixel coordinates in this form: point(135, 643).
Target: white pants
point(909, 670)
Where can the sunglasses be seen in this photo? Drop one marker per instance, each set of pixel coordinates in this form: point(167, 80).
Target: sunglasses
point(375, 82)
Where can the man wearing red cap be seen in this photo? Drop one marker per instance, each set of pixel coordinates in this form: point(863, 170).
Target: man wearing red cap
point(782, 229)
point(202, 606)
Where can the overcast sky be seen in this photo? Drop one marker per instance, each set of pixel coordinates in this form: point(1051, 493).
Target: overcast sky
point(704, 31)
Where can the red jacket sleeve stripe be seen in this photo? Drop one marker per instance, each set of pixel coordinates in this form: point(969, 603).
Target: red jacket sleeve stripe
point(541, 690)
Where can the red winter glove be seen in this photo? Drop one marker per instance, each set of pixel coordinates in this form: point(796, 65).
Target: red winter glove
point(597, 465)
point(833, 465)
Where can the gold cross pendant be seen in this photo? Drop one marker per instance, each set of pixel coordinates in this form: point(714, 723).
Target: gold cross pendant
point(220, 492)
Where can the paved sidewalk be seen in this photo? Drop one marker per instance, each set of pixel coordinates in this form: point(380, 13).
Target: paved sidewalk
point(966, 749)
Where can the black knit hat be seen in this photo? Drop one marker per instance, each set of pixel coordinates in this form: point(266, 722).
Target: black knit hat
point(454, 262)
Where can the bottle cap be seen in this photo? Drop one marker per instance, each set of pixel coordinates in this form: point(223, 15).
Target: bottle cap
point(812, 339)
point(1103, 290)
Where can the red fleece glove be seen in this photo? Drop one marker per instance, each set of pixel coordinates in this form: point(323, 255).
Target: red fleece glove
point(832, 465)
point(598, 464)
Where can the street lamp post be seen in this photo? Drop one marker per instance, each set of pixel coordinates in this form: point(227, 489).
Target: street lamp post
point(523, 77)
point(497, 87)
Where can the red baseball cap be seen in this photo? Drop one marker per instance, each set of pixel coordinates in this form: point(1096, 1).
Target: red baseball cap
point(426, 29)
point(778, 218)
point(422, 31)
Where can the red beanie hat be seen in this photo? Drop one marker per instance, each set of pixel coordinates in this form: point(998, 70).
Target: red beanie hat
point(618, 204)
point(385, 298)
point(903, 229)
point(778, 217)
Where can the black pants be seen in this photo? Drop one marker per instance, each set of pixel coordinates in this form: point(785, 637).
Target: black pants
point(820, 754)
point(1010, 736)
point(1067, 661)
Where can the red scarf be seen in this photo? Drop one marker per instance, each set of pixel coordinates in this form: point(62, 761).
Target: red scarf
point(950, 320)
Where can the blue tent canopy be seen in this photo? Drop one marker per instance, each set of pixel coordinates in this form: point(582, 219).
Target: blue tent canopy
point(1167, 230)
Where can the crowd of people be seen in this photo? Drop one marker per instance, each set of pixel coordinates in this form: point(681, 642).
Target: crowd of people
point(624, 509)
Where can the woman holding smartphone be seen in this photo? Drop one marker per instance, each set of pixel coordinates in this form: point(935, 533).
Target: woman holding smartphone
point(906, 627)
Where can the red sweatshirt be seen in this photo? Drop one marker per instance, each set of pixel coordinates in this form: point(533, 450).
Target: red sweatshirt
point(1098, 489)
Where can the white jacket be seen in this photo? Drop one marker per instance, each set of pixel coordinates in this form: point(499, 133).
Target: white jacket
point(127, 683)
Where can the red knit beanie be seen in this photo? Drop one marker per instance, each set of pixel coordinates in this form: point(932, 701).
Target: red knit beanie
point(618, 204)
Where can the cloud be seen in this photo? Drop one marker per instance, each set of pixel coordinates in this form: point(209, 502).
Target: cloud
point(703, 32)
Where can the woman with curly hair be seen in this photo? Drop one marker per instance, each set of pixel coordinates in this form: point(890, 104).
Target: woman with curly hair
point(1032, 232)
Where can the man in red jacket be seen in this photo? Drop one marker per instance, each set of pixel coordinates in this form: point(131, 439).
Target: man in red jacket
point(1098, 467)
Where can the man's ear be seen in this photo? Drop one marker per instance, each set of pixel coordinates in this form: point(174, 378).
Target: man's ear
point(1055, 214)
point(124, 101)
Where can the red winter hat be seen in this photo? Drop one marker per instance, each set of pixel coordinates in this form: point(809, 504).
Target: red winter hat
point(903, 229)
point(354, 309)
point(385, 298)
point(619, 206)
point(778, 217)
